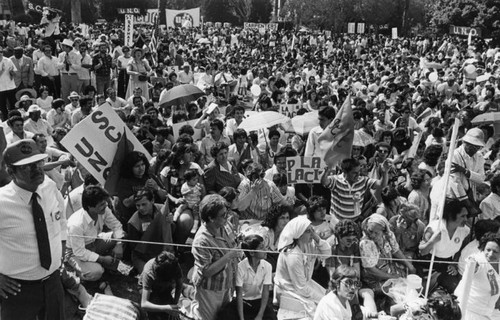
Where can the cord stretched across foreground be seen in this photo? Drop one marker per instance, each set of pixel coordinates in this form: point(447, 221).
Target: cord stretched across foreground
point(266, 251)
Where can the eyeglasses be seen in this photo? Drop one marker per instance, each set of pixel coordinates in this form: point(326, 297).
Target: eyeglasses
point(383, 151)
point(74, 99)
point(350, 283)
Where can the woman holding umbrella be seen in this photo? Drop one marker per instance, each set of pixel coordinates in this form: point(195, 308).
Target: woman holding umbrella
point(138, 69)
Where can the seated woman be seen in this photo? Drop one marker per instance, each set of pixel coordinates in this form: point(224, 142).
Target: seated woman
point(391, 200)
point(408, 229)
point(377, 247)
point(335, 305)
point(159, 277)
point(151, 223)
point(221, 172)
point(293, 280)
point(419, 196)
point(447, 238)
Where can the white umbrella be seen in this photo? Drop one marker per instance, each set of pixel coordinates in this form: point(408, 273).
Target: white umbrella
point(304, 123)
point(203, 41)
point(362, 138)
point(263, 120)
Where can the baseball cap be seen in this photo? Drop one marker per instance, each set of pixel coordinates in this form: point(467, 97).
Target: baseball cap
point(22, 152)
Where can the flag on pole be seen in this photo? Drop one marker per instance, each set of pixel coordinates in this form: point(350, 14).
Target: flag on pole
point(336, 139)
point(124, 148)
point(469, 39)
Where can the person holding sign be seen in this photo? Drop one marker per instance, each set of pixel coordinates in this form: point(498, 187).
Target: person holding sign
point(325, 117)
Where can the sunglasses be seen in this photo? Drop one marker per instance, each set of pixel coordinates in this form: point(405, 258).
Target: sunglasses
point(350, 283)
point(74, 99)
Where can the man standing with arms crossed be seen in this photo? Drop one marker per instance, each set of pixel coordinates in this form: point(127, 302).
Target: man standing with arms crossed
point(32, 237)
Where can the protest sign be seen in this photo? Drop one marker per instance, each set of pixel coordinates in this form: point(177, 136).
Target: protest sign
point(465, 31)
point(328, 33)
point(129, 30)
point(149, 18)
point(177, 126)
point(129, 11)
point(394, 33)
point(289, 110)
point(94, 141)
point(183, 18)
point(218, 25)
point(304, 169)
point(351, 27)
point(266, 26)
point(361, 28)
point(227, 25)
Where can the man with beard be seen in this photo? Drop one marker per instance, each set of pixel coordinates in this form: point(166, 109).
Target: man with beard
point(32, 238)
point(102, 64)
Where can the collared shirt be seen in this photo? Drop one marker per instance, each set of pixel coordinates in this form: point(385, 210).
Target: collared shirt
point(459, 184)
point(312, 145)
point(347, 199)
point(185, 78)
point(40, 126)
point(265, 197)
point(47, 67)
point(119, 104)
point(74, 57)
point(11, 137)
point(206, 145)
point(205, 255)
point(81, 224)
point(19, 257)
point(37, 55)
point(84, 73)
point(448, 246)
point(246, 153)
point(490, 207)
point(253, 281)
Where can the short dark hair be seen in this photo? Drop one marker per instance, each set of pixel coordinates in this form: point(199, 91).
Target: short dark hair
point(13, 119)
point(144, 118)
point(239, 133)
point(495, 183)
point(187, 128)
point(89, 180)
point(280, 179)
point(348, 164)
point(327, 112)
point(228, 193)
point(314, 203)
point(484, 226)
point(166, 266)
point(388, 194)
point(251, 242)
point(93, 195)
point(217, 123)
point(488, 237)
point(217, 148)
point(276, 211)
point(210, 206)
point(273, 132)
point(143, 192)
point(417, 178)
point(190, 174)
point(452, 207)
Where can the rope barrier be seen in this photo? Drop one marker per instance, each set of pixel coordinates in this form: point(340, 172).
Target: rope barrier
point(318, 255)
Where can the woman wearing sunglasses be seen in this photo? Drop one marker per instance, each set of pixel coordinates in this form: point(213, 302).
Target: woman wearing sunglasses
point(335, 305)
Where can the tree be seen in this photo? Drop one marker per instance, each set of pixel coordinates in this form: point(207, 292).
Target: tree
point(233, 11)
point(260, 11)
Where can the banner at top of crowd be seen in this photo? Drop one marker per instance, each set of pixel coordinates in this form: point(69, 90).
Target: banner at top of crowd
point(183, 18)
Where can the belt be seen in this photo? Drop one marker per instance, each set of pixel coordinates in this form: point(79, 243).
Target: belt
point(27, 282)
point(69, 74)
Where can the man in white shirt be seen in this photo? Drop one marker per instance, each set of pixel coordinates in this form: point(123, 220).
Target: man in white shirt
point(325, 116)
point(117, 103)
point(32, 237)
point(16, 124)
point(186, 75)
point(70, 62)
point(7, 84)
point(47, 67)
point(88, 248)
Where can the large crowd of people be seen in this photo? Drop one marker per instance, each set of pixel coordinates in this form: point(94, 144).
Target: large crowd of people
point(263, 248)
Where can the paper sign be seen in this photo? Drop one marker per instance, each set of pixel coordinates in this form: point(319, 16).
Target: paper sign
point(266, 26)
point(94, 141)
point(465, 31)
point(305, 169)
point(177, 126)
point(351, 27)
point(183, 18)
point(394, 33)
point(361, 28)
point(289, 110)
point(129, 30)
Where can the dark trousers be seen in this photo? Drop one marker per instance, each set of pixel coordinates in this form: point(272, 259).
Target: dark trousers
point(123, 78)
point(44, 300)
point(53, 85)
point(250, 310)
point(7, 96)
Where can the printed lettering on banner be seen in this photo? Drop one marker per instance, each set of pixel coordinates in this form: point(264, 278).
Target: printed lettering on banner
point(304, 169)
point(177, 126)
point(394, 33)
point(351, 27)
point(465, 31)
point(94, 141)
point(289, 110)
point(129, 30)
point(361, 28)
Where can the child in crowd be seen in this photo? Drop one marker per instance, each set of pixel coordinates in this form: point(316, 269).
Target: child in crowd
point(320, 220)
point(192, 192)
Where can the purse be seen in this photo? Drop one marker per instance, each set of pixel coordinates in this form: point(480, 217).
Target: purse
point(143, 78)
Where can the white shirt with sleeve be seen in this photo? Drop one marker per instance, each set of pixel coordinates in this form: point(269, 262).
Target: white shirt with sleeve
point(47, 67)
point(19, 255)
point(81, 224)
point(6, 81)
point(251, 281)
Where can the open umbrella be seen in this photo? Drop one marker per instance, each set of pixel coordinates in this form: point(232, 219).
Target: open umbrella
point(487, 118)
point(203, 41)
point(263, 120)
point(181, 94)
point(303, 124)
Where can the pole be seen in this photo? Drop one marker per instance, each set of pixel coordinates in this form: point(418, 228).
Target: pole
point(446, 178)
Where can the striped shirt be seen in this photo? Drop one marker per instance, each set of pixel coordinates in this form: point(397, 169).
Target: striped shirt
point(347, 200)
point(217, 177)
point(204, 257)
point(265, 197)
point(19, 257)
